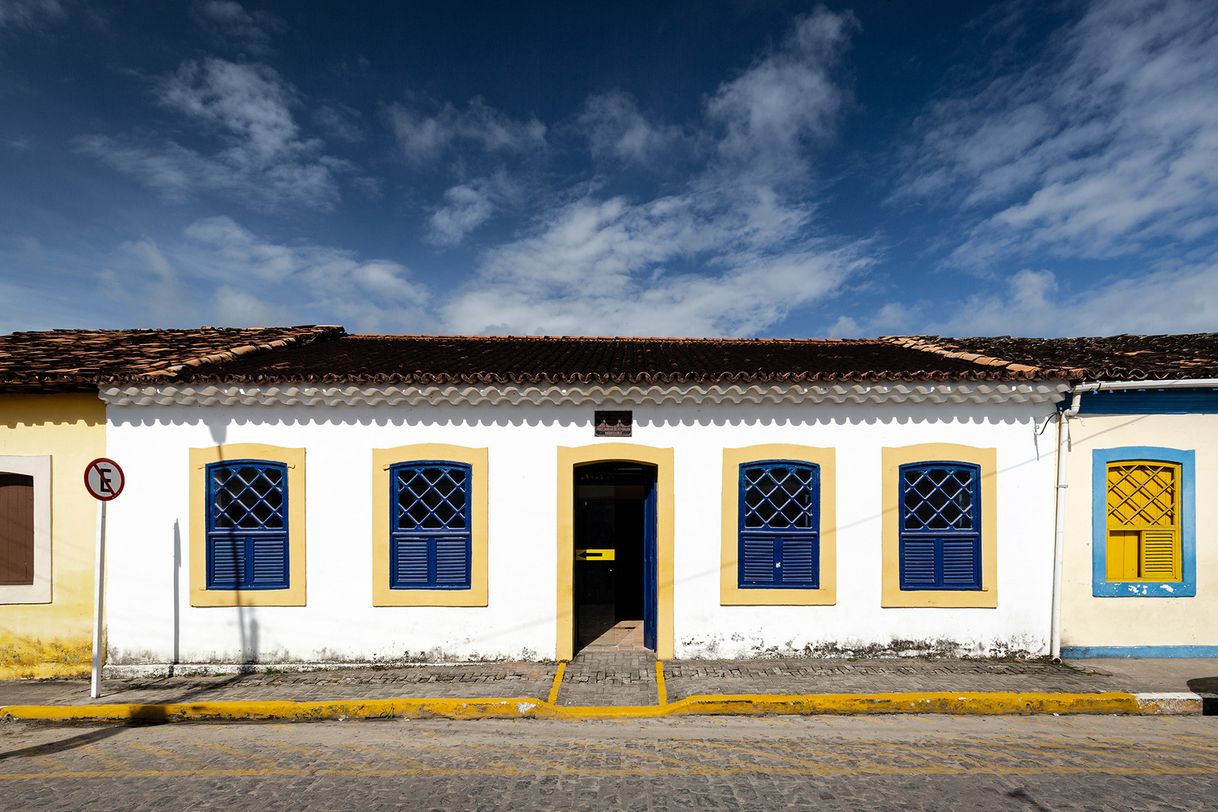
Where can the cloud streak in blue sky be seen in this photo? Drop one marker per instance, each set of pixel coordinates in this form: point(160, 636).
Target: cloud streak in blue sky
point(835, 171)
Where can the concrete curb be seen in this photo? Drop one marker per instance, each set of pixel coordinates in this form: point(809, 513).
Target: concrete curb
point(945, 702)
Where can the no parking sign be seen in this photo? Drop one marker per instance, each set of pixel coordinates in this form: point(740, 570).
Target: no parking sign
point(104, 481)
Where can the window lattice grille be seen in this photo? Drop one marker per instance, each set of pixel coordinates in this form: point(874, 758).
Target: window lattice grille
point(779, 497)
point(431, 497)
point(1142, 494)
point(248, 496)
point(939, 497)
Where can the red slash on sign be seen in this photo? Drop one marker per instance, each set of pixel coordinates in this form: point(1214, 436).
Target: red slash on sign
point(104, 479)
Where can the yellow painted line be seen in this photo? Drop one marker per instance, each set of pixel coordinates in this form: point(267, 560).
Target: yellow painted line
point(562, 669)
point(236, 752)
point(661, 688)
point(947, 702)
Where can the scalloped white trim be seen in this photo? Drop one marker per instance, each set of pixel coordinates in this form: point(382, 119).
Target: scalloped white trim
point(512, 395)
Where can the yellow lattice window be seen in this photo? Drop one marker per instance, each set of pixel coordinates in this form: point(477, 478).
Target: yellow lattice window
point(1143, 521)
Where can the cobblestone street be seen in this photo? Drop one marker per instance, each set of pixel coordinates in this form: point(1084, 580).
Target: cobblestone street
point(926, 762)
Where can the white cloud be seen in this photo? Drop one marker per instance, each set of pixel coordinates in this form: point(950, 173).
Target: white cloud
point(610, 267)
point(330, 284)
point(888, 319)
point(768, 114)
point(262, 157)
point(729, 253)
point(467, 206)
point(30, 14)
point(239, 308)
point(340, 122)
point(1038, 302)
point(1105, 145)
point(616, 128)
point(230, 21)
point(423, 137)
point(1035, 302)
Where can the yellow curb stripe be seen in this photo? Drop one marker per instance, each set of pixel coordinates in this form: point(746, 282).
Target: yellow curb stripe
point(948, 702)
point(661, 687)
point(562, 669)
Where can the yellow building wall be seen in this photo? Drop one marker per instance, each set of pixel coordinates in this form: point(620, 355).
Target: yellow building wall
point(1132, 621)
point(53, 639)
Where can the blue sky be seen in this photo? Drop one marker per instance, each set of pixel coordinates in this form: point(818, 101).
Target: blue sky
point(687, 168)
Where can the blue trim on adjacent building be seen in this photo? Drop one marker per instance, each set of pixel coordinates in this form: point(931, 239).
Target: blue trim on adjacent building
point(1086, 652)
point(1150, 401)
point(1103, 588)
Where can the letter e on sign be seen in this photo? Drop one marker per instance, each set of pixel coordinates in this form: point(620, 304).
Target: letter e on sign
point(104, 479)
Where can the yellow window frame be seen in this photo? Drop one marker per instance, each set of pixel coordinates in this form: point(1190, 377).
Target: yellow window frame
point(891, 594)
point(476, 459)
point(730, 591)
point(1145, 550)
point(294, 459)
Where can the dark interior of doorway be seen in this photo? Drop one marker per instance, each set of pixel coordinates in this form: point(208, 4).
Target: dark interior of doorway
point(611, 515)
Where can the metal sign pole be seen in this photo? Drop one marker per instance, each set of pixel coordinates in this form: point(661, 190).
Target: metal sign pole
point(99, 596)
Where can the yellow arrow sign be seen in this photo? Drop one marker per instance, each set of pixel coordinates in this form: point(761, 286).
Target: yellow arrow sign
point(594, 555)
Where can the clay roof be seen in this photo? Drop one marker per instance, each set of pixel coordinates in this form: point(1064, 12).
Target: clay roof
point(65, 360)
point(78, 360)
point(1109, 358)
point(423, 360)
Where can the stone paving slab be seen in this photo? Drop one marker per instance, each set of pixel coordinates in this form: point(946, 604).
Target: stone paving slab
point(805, 676)
point(628, 678)
point(499, 679)
point(610, 678)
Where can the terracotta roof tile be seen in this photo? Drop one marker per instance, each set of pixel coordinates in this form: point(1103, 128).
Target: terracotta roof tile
point(78, 360)
point(82, 359)
point(1114, 358)
point(423, 360)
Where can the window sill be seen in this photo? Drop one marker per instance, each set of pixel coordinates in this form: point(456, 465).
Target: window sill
point(1144, 589)
point(940, 598)
point(771, 596)
point(294, 596)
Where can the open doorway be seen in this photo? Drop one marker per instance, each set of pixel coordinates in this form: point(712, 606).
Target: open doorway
point(615, 556)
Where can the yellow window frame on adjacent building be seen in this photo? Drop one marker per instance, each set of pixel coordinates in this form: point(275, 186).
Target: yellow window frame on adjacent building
point(382, 460)
point(730, 592)
point(1143, 520)
point(891, 593)
point(294, 459)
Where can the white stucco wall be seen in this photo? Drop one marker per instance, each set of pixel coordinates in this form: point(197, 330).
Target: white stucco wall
point(1089, 621)
point(339, 621)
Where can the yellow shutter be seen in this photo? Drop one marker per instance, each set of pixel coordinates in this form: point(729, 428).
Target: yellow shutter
point(1143, 521)
point(1123, 555)
point(1160, 555)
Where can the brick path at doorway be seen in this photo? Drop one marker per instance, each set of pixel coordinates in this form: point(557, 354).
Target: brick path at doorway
point(628, 678)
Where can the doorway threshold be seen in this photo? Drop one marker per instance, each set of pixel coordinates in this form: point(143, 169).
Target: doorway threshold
point(625, 635)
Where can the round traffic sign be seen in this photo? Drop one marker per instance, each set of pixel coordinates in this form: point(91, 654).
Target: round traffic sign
point(104, 479)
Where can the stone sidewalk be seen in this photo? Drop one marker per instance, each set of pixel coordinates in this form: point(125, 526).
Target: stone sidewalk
point(628, 678)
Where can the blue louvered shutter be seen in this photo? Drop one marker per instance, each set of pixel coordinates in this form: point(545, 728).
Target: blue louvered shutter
point(940, 531)
point(779, 525)
point(247, 525)
point(430, 527)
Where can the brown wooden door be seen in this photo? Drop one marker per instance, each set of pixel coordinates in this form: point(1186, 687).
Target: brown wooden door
point(16, 529)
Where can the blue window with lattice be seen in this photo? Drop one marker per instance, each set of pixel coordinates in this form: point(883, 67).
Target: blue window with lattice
point(247, 525)
point(779, 525)
point(429, 525)
point(940, 526)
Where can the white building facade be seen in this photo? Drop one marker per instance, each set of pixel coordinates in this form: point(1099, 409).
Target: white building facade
point(915, 517)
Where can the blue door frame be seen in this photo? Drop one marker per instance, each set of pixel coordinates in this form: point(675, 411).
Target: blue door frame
point(649, 568)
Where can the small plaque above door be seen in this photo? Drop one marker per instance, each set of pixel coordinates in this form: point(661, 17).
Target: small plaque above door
point(613, 424)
